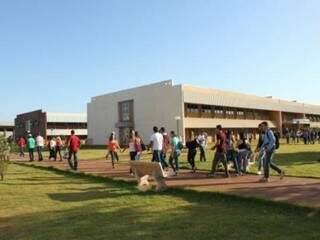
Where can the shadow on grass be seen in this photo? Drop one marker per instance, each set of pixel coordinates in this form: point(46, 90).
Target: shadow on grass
point(122, 212)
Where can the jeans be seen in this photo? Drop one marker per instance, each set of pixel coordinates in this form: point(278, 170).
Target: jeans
point(163, 159)
point(158, 157)
point(21, 152)
point(73, 164)
point(261, 157)
point(232, 158)
point(269, 164)
point(39, 150)
point(133, 155)
point(174, 158)
point(31, 156)
point(219, 157)
point(203, 154)
point(243, 160)
point(191, 156)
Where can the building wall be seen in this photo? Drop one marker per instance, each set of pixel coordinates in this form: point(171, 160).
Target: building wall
point(154, 105)
point(38, 122)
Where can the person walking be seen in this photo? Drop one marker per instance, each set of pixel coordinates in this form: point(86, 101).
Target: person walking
point(202, 141)
point(59, 148)
point(156, 143)
point(74, 145)
point(22, 145)
point(132, 146)
point(261, 152)
point(243, 153)
point(138, 146)
point(231, 152)
point(52, 149)
point(40, 146)
point(269, 146)
point(220, 154)
point(31, 144)
point(165, 147)
point(113, 146)
point(192, 152)
point(175, 152)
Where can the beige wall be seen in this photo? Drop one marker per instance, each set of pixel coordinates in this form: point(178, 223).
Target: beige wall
point(154, 105)
point(226, 123)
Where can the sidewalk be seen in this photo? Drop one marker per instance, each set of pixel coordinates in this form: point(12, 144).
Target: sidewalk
point(301, 191)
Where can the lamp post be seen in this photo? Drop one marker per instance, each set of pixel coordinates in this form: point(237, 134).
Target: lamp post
point(178, 118)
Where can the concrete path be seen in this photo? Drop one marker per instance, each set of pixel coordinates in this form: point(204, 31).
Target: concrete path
point(301, 191)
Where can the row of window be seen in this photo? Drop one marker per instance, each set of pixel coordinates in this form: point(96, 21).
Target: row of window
point(194, 110)
point(313, 118)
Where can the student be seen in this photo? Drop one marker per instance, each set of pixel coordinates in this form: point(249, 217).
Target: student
point(132, 147)
point(269, 146)
point(243, 153)
point(202, 141)
point(231, 152)
point(138, 146)
point(59, 146)
point(22, 145)
point(220, 154)
point(175, 152)
point(261, 152)
point(52, 149)
point(165, 147)
point(40, 146)
point(113, 146)
point(156, 142)
point(192, 152)
point(74, 145)
point(31, 144)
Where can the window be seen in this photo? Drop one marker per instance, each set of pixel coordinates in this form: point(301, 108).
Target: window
point(218, 113)
point(230, 114)
point(126, 111)
point(240, 114)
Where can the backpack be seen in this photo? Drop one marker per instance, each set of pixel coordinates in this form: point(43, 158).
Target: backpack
point(180, 146)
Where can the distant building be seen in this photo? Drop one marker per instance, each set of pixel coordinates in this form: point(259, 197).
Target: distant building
point(6, 129)
point(50, 124)
point(189, 110)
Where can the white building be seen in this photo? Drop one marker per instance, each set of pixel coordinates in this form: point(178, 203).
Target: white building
point(188, 110)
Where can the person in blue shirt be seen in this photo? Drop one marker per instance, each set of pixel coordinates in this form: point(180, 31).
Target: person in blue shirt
point(269, 146)
point(175, 152)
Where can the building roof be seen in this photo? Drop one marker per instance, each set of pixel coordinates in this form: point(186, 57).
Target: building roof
point(7, 124)
point(66, 117)
point(217, 97)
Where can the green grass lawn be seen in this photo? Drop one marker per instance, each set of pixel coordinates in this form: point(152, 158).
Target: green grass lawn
point(46, 204)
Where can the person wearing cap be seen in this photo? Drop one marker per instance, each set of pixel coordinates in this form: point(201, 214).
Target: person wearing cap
point(31, 144)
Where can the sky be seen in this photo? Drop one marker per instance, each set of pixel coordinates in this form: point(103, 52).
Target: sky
point(57, 54)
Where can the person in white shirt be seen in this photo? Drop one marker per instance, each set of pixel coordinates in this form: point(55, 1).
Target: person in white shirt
point(40, 146)
point(156, 143)
point(52, 147)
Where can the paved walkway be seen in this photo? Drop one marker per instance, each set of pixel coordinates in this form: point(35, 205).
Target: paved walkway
point(301, 191)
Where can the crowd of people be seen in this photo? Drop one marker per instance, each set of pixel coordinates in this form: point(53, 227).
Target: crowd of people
point(57, 148)
point(307, 135)
point(229, 151)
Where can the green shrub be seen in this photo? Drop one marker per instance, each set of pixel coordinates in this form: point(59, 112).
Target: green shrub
point(4, 156)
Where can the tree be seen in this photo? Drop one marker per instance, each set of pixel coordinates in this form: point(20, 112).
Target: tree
point(4, 156)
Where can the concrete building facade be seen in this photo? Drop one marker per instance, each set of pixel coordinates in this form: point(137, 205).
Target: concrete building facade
point(50, 124)
point(189, 110)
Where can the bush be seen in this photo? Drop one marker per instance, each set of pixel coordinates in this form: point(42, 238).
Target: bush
point(4, 156)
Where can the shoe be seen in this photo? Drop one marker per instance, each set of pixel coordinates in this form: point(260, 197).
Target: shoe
point(211, 174)
point(264, 180)
point(282, 175)
point(259, 173)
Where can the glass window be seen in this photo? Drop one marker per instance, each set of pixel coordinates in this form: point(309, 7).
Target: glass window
point(125, 111)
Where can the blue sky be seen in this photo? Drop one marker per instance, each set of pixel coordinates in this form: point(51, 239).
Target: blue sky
point(56, 54)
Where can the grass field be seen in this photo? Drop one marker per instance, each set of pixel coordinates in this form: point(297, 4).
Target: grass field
point(46, 204)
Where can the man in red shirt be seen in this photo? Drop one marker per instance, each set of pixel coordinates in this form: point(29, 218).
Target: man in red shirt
point(220, 155)
point(74, 145)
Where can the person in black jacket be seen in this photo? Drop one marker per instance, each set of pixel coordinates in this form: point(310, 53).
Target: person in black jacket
point(258, 149)
point(192, 152)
